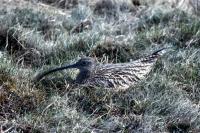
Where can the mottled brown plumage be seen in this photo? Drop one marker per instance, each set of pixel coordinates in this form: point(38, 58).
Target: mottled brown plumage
point(119, 76)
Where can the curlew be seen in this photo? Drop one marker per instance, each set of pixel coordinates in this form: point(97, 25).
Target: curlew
point(119, 76)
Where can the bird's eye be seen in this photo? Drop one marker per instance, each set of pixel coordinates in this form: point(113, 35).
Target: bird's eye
point(84, 63)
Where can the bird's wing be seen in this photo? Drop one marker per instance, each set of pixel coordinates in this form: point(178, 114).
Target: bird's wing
point(124, 74)
point(120, 75)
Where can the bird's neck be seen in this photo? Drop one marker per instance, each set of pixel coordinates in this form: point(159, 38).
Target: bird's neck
point(83, 76)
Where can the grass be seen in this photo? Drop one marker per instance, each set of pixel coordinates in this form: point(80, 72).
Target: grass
point(32, 40)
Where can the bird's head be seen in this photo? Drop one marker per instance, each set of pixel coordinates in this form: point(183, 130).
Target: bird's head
point(85, 63)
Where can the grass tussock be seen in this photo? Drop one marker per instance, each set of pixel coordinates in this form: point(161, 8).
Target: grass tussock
point(115, 51)
point(22, 51)
point(115, 31)
point(64, 4)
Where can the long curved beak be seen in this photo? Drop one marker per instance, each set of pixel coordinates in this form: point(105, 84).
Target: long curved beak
point(41, 75)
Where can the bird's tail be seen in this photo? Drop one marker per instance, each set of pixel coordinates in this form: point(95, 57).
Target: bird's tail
point(160, 52)
point(154, 56)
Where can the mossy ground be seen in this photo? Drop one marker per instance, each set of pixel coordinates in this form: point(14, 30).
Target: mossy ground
point(41, 35)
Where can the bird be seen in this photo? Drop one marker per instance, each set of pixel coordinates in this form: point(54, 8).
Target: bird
point(117, 76)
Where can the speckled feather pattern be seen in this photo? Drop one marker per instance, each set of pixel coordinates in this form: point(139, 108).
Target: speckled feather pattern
point(122, 75)
point(119, 76)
